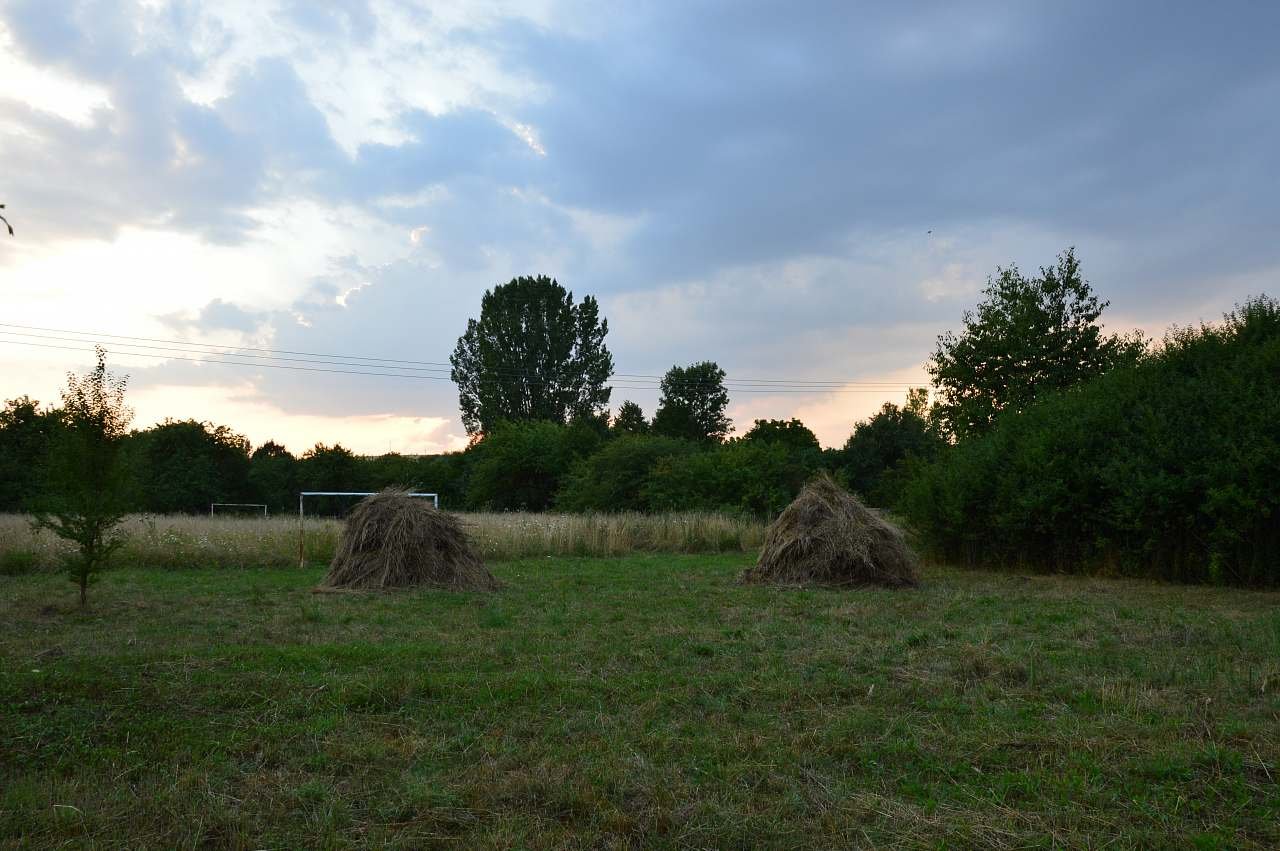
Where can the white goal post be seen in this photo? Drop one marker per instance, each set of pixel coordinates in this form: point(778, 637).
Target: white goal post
point(214, 505)
point(302, 495)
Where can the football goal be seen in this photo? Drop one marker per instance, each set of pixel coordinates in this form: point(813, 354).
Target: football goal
point(302, 502)
point(237, 508)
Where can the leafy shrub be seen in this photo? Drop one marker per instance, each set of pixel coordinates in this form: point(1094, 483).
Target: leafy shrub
point(752, 477)
point(1168, 468)
point(790, 433)
point(519, 466)
point(613, 478)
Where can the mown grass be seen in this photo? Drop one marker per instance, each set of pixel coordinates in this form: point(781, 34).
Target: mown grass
point(184, 541)
point(645, 701)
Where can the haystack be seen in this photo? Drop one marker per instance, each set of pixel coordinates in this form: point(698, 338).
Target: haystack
point(827, 537)
point(393, 540)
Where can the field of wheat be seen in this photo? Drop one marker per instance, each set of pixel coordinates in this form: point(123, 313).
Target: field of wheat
point(177, 541)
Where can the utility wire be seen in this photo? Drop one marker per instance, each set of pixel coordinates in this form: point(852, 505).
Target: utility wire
point(806, 385)
point(215, 360)
point(385, 363)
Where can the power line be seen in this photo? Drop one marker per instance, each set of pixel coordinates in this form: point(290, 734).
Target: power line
point(387, 375)
point(226, 352)
point(804, 385)
point(374, 373)
point(227, 362)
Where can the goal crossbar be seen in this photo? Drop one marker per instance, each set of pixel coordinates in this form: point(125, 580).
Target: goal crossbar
point(302, 495)
point(214, 505)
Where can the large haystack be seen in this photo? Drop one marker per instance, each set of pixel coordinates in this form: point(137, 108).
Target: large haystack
point(827, 537)
point(392, 540)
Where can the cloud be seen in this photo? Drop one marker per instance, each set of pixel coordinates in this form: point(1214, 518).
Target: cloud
point(743, 182)
point(215, 316)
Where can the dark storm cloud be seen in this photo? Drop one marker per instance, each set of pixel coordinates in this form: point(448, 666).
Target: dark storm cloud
point(753, 134)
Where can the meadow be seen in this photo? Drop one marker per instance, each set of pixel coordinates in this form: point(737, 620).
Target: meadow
point(184, 541)
point(637, 701)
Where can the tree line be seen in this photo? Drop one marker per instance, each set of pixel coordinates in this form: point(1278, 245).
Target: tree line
point(626, 463)
point(1045, 443)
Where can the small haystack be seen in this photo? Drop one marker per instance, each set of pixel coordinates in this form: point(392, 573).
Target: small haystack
point(827, 537)
point(393, 540)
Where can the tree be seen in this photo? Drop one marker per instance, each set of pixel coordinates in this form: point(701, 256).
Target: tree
point(629, 420)
point(181, 466)
point(331, 468)
point(532, 355)
point(391, 470)
point(692, 403)
point(1028, 336)
point(792, 434)
point(84, 496)
point(26, 433)
point(273, 476)
point(880, 444)
point(444, 474)
point(1165, 468)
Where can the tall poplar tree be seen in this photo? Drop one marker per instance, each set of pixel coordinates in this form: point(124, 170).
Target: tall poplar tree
point(534, 354)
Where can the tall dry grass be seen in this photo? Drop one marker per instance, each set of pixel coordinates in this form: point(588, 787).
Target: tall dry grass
point(195, 541)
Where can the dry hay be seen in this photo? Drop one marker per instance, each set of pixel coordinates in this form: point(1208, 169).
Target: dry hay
point(827, 537)
point(393, 540)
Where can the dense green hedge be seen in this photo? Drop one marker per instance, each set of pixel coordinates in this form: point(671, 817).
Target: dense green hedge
point(614, 478)
point(744, 476)
point(1169, 468)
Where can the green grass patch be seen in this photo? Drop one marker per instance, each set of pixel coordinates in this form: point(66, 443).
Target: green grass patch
point(636, 702)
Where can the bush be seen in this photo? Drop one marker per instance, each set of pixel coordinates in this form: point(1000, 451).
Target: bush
point(1169, 468)
point(613, 478)
point(751, 477)
point(519, 466)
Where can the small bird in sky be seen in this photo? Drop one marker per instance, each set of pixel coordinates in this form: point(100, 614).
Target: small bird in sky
point(929, 231)
point(6, 222)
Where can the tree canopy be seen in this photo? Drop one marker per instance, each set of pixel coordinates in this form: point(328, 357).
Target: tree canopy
point(534, 354)
point(1164, 468)
point(1027, 336)
point(692, 403)
point(26, 433)
point(790, 433)
point(629, 420)
point(879, 445)
point(273, 476)
point(184, 465)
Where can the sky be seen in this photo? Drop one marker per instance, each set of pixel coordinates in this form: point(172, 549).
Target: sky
point(799, 192)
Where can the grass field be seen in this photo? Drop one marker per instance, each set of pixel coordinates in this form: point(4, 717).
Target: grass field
point(639, 701)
